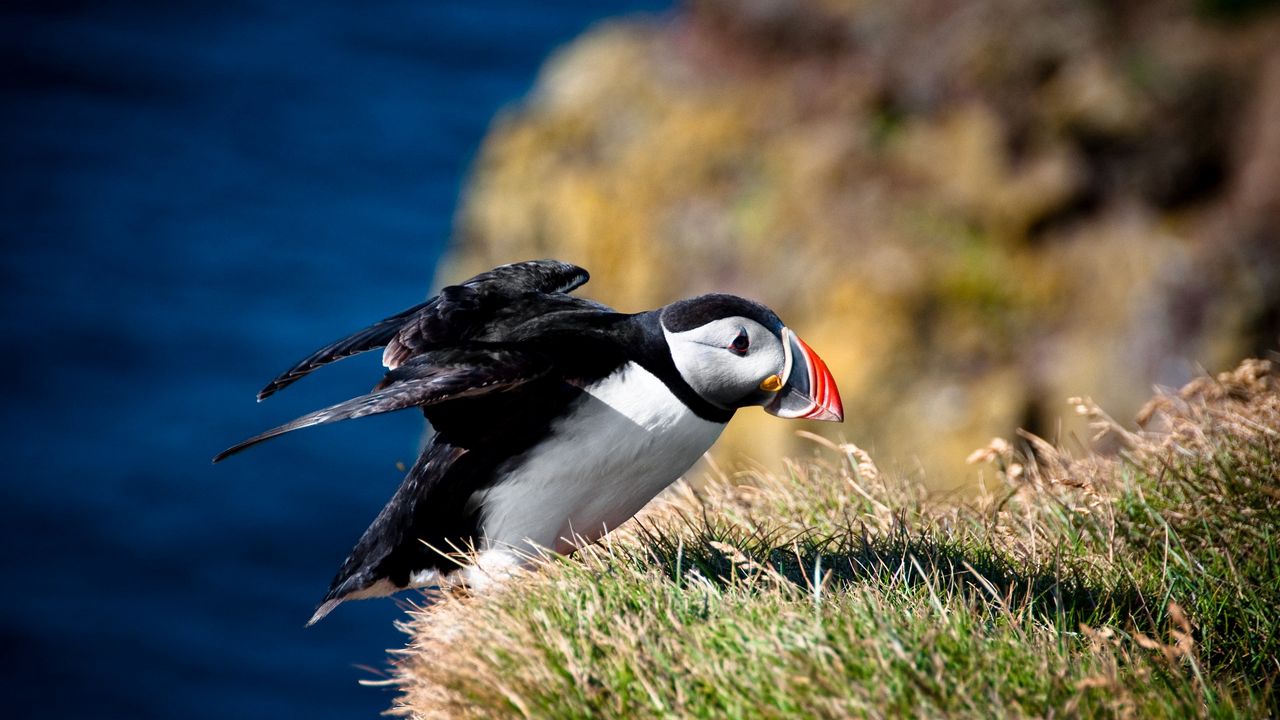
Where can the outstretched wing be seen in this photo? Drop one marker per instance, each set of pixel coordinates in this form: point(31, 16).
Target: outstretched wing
point(464, 310)
point(428, 379)
point(452, 316)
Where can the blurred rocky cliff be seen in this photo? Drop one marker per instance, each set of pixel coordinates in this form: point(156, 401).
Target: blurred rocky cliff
point(972, 210)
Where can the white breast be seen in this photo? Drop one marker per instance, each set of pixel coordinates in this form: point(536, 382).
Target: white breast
point(625, 440)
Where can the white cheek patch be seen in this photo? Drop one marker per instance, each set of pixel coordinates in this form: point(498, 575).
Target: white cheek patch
point(720, 376)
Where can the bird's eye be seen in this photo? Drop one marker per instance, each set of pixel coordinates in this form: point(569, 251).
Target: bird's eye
point(741, 343)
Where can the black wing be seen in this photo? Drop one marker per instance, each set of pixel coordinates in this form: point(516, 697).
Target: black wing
point(428, 379)
point(452, 316)
point(467, 311)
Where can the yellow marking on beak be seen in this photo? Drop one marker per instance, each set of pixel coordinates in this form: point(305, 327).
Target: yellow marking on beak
point(773, 383)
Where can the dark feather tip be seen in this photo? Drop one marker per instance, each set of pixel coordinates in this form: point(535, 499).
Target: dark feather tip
point(269, 390)
point(230, 451)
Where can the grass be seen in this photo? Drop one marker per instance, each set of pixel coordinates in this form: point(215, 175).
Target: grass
point(1145, 584)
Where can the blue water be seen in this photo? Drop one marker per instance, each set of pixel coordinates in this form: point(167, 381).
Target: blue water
point(191, 199)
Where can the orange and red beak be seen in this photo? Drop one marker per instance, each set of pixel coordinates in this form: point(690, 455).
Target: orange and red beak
point(808, 391)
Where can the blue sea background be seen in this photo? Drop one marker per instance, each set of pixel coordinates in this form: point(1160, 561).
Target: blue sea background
point(195, 195)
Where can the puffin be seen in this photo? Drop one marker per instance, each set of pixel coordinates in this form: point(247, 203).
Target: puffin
point(554, 419)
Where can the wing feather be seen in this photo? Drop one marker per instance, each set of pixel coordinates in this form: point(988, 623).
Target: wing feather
point(431, 379)
point(371, 338)
point(464, 308)
point(453, 316)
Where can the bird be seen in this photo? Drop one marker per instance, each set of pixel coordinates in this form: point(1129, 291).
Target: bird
point(554, 418)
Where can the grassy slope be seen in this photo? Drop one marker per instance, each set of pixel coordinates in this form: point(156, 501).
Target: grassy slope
point(1145, 586)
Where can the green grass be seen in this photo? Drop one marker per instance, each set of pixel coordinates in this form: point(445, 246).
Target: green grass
point(1143, 586)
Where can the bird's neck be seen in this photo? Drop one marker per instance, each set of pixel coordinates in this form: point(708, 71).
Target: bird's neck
point(646, 344)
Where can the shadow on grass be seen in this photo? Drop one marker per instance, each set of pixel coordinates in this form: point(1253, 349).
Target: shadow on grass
point(990, 580)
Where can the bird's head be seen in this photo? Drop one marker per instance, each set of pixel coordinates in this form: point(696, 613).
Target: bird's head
point(734, 353)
